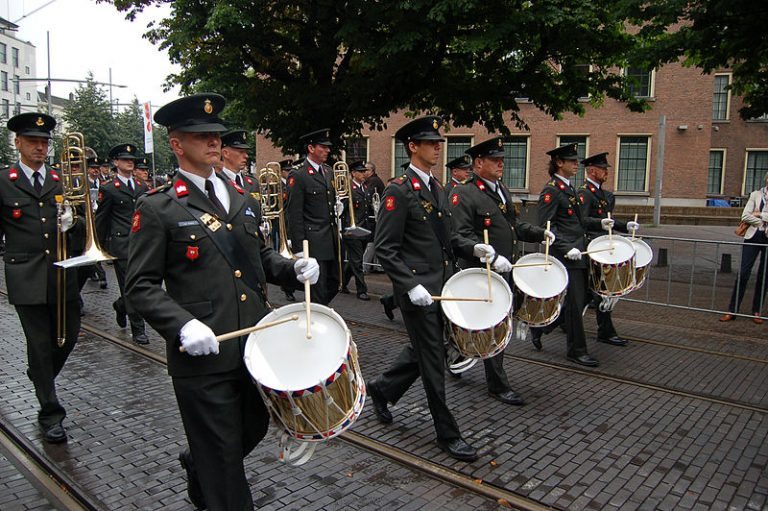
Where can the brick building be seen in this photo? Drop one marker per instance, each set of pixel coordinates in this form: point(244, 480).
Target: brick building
point(708, 150)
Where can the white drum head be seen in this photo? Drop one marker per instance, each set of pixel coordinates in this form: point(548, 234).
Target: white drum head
point(282, 358)
point(473, 283)
point(540, 281)
point(611, 250)
point(643, 253)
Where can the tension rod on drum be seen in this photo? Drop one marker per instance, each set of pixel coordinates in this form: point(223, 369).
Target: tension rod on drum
point(246, 331)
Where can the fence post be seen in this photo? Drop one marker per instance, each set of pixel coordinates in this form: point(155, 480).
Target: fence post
point(661, 260)
point(725, 263)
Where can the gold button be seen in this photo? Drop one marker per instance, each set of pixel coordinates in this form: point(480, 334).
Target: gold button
point(445, 263)
point(414, 271)
point(243, 298)
point(423, 218)
point(47, 251)
point(192, 237)
point(42, 219)
point(229, 227)
point(439, 215)
point(41, 204)
point(45, 235)
point(238, 274)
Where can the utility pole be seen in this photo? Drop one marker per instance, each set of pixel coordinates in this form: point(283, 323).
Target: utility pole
point(659, 171)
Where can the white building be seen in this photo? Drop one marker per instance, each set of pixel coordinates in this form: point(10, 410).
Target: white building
point(17, 63)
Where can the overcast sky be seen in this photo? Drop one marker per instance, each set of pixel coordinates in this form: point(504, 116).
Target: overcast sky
point(86, 36)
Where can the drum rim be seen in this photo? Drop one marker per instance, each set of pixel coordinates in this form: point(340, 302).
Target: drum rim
point(641, 243)
point(483, 272)
point(537, 256)
point(621, 239)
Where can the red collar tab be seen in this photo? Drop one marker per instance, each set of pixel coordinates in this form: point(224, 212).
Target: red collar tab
point(181, 188)
point(249, 180)
point(55, 176)
point(416, 183)
point(561, 185)
point(117, 183)
point(480, 185)
point(592, 189)
point(13, 175)
point(237, 187)
point(311, 170)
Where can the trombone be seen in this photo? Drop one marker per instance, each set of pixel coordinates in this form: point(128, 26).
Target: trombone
point(75, 194)
point(272, 207)
point(343, 185)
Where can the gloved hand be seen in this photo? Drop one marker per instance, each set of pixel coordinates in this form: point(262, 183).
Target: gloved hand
point(307, 270)
point(633, 226)
point(67, 220)
point(338, 208)
point(549, 235)
point(298, 255)
point(502, 265)
point(420, 296)
point(606, 223)
point(483, 251)
point(288, 242)
point(573, 254)
point(198, 339)
point(764, 217)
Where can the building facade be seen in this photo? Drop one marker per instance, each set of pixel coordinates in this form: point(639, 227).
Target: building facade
point(17, 63)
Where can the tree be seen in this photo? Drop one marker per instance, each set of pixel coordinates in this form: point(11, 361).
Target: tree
point(7, 150)
point(89, 114)
point(287, 68)
point(129, 126)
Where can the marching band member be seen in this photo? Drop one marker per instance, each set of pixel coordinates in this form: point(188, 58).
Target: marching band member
point(360, 201)
point(460, 169)
point(197, 268)
point(234, 155)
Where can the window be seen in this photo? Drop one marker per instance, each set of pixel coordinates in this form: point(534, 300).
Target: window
point(715, 174)
point(633, 163)
point(17, 110)
point(581, 151)
point(515, 162)
point(400, 159)
point(356, 149)
point(456, 146)
point(3, 53)
point(757, 167)
point(721, 98)
point(4, 80)
point(583, 71)
point(6, 108)
point(640, 81)
point(15, 57)
point(26, 70)
point(29, 96)
point(16, 89)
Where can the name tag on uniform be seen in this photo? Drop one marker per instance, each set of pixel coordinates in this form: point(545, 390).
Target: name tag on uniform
point(249, 212)
point(188, 223)
point(210, 222)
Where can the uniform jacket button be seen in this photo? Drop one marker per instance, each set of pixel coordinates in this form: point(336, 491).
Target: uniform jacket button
point(43, 220)
point(41, 204)
point(229, 227)
point(238, 274)
point(243, 297)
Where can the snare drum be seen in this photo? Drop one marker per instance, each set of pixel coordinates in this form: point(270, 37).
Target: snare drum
point(612, 265)
point(478, 329)
point(313, 387)
point(643, 260)
point(540, 290)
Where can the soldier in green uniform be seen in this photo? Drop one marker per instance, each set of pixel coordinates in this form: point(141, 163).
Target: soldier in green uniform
point(28, 217)
point(197, 268)
point(312, 213)
point(559, 204)
point(116, 203)
point(141, 172)
point(234, 154)
point(596, 203)
point(286, 166)
point(415, 246)
point(483, 203)
point(460, 169)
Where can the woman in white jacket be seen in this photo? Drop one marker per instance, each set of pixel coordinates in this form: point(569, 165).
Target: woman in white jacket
point(755, 246)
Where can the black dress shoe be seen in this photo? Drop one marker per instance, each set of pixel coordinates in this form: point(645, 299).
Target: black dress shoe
point(120, 316)
point(388, 308)
point(615, 341)
point(103, 284)
point(458, 449)
point(536, 338)
point(363, 296)
point(55, 434)
point(194, 490)
point(584, 360)
point(379, 403)
point(509, 397)
point(289, 297)
point(141, 339)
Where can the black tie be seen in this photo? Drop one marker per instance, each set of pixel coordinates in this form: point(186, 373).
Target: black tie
point(212, 197)
point(239, 180)
point(130, 185)
point(433, 185)
point(37, 183)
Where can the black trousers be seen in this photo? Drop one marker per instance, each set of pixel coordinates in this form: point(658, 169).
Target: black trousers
point(605, 328)
point(425, 357)
point(137, 322)
point(327, 284)
point(44, 357)
point(354, 265)
point(749, 254)
point(224, 418)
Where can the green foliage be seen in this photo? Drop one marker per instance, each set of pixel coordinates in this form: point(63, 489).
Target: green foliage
point(7, 150)
point(89, 113)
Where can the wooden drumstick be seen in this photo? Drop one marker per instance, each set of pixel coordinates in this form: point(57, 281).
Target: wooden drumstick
point(546, 250)
point(588, 252)
point(488, 266)
point(246, 331)
point(610, 230)
point(635, 229)
point(458, 299)
point(530, 265)
point(307, 303)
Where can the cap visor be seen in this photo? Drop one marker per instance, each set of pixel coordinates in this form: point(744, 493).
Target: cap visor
point(204, 128)
point(436, 138)
point(32, 133)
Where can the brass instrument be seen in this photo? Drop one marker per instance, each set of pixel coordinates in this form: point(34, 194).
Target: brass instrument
point(343, 185)
point(375, 203)
point(272, 207)
point(75, 194)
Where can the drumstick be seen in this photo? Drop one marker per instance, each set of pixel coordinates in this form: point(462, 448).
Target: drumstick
point(529, 265)
point(488, 266)
point(307, 305)
point(588, 252)
point(458, 299)
point(546, 250)
point(610, 230)
point(634, 230)
point(246, 331)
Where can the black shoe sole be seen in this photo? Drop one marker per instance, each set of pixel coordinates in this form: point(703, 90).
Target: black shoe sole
point(575, 361)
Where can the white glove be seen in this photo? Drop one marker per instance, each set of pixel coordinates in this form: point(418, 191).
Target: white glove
point(573, 254)
point(307, 270)
point(420, 296)
point(483, 251)
point(338, 208)
point(549, 235)
point(288, 242)
point(198, 339)
point(67, 221)
point(606, 223)
point(764, 217)
point(632, 226)
point(502, 265)
point(298, 255)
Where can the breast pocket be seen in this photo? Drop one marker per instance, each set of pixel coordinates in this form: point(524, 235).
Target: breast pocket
point(186, 241)
point(17, 208)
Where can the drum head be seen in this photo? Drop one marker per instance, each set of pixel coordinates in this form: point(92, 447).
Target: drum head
point(282, 358)
point(540, 281)
point(611, 250)
point(473, 283)
point(643, 253)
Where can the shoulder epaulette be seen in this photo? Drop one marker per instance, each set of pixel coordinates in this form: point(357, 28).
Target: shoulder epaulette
point(160, 188)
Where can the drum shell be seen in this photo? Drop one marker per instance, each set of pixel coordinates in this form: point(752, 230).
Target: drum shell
point(543, 309)
point(643, 260)
point(614, 277)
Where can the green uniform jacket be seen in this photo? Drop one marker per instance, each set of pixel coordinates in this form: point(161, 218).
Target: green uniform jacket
point(560, 204)
point(113, 216)
point(310, 211)
point(169, 246)
point(475, 207)
point(596, 203)
point(28, 220)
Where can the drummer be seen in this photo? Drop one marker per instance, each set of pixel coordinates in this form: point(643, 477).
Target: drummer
point(201, 228)
point(559, 204)
point(596, 204)
point(483, 202)
point(414, 244)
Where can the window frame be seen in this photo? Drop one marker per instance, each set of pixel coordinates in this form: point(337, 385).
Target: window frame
point(724, 152)
point(443, 172)
point(747, 150)
point(15, 56)
point(527, 170)
point(727, 97)
point(651, 82)
point(617, 159)
point(394, 167)
point(3, 53)
point(367, 140)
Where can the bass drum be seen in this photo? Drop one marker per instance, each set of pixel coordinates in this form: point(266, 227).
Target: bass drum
point(539, 290)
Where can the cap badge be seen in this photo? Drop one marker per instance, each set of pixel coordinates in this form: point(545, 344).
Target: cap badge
point(435, 124)
point(128, 148)
point(208, 107)
point(39, 121)
point(501, 143)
